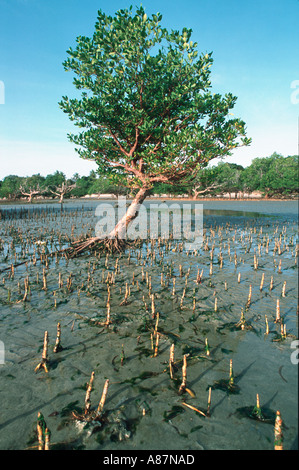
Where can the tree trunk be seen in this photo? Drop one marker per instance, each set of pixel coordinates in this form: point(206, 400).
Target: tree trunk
point(120, 229)
point(116, 238)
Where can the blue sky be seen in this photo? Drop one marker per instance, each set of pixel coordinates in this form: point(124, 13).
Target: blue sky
point(255, 48)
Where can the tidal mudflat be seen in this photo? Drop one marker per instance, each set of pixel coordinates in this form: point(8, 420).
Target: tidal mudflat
point(183, 341)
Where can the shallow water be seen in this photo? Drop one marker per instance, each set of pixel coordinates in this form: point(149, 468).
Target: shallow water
point(261, 363)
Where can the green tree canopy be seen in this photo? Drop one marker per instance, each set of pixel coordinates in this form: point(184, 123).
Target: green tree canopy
point(34, 182)
point(10, 187)
point(55, 179)
point(146, 109)
point(272, 175)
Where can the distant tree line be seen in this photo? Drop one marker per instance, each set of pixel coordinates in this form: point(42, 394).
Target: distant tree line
point(274, 176)
point(56, 185)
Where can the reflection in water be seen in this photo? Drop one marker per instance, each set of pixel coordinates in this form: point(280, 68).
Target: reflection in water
point(232, 213)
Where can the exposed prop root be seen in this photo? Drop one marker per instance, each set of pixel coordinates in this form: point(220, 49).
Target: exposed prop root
point(44, 361)
point(43, 433)
point(195, 409)
point(88, 414)
point(111, 245)
point(58, 346)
